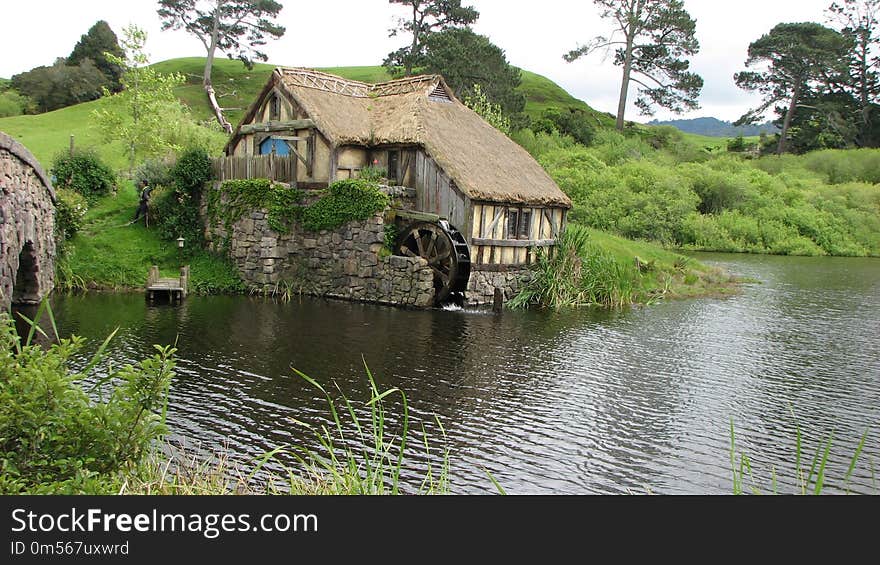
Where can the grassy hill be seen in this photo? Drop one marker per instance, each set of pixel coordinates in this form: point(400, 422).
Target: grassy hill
point(47, 134)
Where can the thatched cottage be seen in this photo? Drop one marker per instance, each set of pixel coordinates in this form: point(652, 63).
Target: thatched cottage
point(462, 169)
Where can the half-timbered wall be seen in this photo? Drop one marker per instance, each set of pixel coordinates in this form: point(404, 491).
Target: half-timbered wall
point(505, 234)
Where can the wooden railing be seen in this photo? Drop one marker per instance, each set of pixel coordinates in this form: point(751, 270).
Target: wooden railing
point(273, 167)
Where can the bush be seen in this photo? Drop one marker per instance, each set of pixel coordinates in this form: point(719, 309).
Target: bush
point(192, 172)
point(155, 172)
point(55, 438)
point(176, 211)
point(70, 211)
point(346, 201)
point(83, 172)
point(573, 122)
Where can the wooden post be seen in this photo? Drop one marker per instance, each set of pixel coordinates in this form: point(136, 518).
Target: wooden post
point(498, 301)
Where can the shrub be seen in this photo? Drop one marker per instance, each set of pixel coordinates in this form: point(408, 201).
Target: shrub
point(155, 172)
point(70, 211)
point(54, 437)
point(83, 172)
point(346, 201)
point(192, 172)
point(177, 210)
point(573, 122)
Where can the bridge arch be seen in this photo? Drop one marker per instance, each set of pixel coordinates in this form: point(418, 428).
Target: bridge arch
point(27, 226)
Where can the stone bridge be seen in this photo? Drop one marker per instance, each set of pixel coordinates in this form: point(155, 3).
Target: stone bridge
point(27, 227)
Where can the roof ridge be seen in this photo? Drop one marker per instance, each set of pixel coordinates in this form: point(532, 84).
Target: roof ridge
point(319, 80)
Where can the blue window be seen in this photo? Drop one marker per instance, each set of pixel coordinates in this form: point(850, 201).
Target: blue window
point(272, 145)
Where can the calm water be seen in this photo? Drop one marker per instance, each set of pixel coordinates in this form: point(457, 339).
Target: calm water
point(583, 402)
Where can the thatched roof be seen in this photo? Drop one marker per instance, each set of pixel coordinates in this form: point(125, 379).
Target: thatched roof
point(483, 162)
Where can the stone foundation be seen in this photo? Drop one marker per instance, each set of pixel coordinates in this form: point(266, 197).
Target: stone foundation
point(27, 227)
point(484, 280)
point(349, 263)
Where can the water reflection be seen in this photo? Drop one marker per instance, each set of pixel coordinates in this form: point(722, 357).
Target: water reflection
point(573, 402)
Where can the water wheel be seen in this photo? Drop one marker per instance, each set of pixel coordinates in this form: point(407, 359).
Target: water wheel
point(447, 253)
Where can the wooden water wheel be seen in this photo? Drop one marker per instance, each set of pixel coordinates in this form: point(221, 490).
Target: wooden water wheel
point(447, 253)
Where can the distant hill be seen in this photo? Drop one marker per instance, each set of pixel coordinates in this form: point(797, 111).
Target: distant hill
point(713, 127)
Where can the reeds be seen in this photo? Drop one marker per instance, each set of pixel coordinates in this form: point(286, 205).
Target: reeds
point(810, 479)
point(577, 273)
point(357, 454)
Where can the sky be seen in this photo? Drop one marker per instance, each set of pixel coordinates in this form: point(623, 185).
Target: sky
point(327, 33)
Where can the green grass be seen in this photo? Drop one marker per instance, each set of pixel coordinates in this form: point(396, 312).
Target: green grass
point(594, 268)
point(110, 254)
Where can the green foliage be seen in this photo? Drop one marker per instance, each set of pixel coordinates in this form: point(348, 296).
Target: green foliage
point(54, 437)
point(577, 273)
point(373, 173)
point(794, 58)
point(93, 46)
point(239, 197)
point(575, 122)
point(156, 172)
point(110, 253)
point(177, 210)
point(146, 116)
point(346, 201)
point(428, 17)
point(83, 172)
point(13, 104)
point(477, 101)
point(70, 212)
point(61, 85)
point(464, 59)
point(822, 203)
point(657, 35)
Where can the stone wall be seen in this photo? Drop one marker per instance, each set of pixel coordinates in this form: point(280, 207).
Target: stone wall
point(348, 263)
point(27, 227)
point(482, 284)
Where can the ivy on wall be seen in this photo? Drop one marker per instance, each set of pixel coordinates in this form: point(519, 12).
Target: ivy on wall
point(239, 197)
point(344, 201)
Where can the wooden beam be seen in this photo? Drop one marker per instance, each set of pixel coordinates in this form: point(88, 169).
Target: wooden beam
point(494, 224)
point(517, 243)
point(277, 126)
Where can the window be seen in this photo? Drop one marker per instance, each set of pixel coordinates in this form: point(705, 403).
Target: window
point(274, 108)
point(519, 223)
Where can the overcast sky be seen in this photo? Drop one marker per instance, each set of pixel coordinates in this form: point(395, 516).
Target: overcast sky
point(327, 33)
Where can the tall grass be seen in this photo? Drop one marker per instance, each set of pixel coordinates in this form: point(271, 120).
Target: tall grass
point(360, 452)
point(809, 478)
point(577, 273)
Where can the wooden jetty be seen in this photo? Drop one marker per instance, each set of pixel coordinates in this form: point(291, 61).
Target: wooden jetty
point(175, 288)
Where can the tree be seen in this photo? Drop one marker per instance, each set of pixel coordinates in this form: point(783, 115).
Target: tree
point(489, 111)
point(235, 27)
point(466, 59)
point(60, 85)
point(858, 22)
point(94, 45)
point(796, 57)
point(650, 40)
point(146, 115)
point(428, 17)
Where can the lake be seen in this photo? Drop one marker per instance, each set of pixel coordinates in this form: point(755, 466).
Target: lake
point(576, 402)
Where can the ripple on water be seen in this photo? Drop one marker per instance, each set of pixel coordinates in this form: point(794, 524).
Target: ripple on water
point(570, 402)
